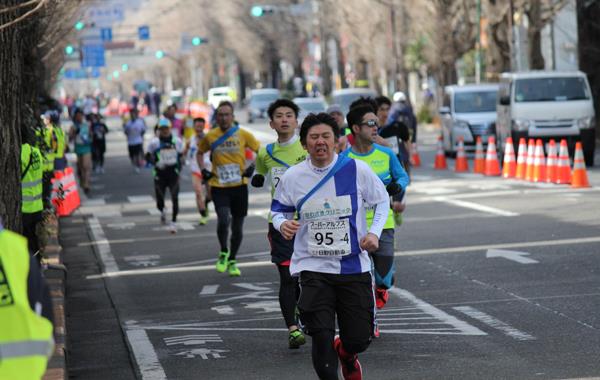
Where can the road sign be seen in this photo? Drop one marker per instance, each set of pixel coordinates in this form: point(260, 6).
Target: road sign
point(72, 73)
point(106, 34)
point(93, 55)
point(105, 14)
point(144, 32)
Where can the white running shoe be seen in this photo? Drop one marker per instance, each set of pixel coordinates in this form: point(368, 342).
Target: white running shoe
point(163, 217)
point(173, 227)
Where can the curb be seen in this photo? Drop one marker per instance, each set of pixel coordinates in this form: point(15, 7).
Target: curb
point(57, 368)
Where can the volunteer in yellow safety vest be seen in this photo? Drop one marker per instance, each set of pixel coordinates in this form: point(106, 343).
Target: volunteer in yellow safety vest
point(26, 340)
point(47, 146)
point(31, 193)
point(59, 136)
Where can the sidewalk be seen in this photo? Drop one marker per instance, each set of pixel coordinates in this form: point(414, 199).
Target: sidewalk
point(89, 340)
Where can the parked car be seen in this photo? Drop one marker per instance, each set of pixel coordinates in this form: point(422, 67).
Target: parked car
point(310, 105)
point(468, 111)
point(218, 94)
point(259, 102)
point(547, 105)
point(346, 96)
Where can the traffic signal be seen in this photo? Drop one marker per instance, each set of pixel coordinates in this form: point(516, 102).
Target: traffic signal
point(159, 54)
point(79, 25)
point(196, 41)
point(69, 49)
point(261, 10)
point(124, 67)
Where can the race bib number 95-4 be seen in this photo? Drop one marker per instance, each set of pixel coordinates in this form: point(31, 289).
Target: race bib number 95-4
point(330, 238)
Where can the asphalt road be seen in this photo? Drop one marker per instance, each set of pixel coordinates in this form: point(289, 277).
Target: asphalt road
point(496, 279)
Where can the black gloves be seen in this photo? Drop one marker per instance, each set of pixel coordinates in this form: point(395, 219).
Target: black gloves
point(249, 171)
point(393, 189)
point(206, 174)
point(258, 180)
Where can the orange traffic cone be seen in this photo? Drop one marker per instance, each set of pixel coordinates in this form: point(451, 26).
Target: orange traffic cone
point(461, 164)
point(440, 158)
point(509, 166)
point(539, 163)
point(580, 178)
point(551, 169)
point(564, 164)
point(492, 166)
point(479, 165)
point(522, 159)
point(530, 160)
point(415, 159)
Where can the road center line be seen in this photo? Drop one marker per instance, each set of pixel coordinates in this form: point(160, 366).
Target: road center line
point(475, 206)
point(433, 251)
point(483, 247)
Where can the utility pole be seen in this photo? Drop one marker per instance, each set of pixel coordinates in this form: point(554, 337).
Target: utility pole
point(511, 13)
point(478, 45)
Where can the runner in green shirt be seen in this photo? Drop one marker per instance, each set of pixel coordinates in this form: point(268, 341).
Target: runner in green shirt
point(272, 161)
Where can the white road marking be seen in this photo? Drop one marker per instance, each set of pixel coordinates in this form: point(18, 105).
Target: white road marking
point(510, 255)
point(140, 198)
point(483, 247)
point(209, 289)
point(143, 260)
point(475, 206)
point(102, 246)
point(145, 356)
point(189, 340)
point(94, 202)
point(455, 326)
point(121, 226)
point(153, 211)
point(494, 323)
point(223, 310)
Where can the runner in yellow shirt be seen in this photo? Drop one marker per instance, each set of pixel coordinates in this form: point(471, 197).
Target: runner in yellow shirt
point(228, 180)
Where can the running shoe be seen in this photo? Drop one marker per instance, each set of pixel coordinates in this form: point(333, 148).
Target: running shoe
point(398, 219)
point(163, 217)
point(222, 262)
point(233, 269)
point(381, 297)
point(376, 331)
point(351, 369)
point(296, 339)
point(173, 227)
point(203, 220)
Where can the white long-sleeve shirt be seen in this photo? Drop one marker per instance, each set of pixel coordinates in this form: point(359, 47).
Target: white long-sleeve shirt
point(332, 220)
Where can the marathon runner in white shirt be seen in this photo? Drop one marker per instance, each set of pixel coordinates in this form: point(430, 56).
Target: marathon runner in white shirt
point(330, 256)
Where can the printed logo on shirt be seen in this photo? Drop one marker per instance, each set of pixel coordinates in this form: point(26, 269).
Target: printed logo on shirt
point(327, 208)
point(6, 298)
point(231, 145)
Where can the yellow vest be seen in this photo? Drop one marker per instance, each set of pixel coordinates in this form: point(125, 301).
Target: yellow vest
point(31, 183)
point(47, 148)
point(25, 338)
point(60, 141)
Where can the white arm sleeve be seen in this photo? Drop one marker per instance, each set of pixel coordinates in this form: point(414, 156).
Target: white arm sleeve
point(380, 217)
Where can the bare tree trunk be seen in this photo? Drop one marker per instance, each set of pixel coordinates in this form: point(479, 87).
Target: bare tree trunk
point(10, 120)
point(534, 34)
point(589, 51)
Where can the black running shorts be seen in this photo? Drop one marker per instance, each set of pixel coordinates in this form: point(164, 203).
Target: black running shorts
point(281, 249)
point(349, 296)
point(235, 198)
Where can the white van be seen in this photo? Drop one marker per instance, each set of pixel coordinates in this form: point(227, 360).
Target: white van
point(547, 105)
point(218, 94)
point(468, 112)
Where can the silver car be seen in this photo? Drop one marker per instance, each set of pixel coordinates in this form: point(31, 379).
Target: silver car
point(310, 105)
point(469, 112)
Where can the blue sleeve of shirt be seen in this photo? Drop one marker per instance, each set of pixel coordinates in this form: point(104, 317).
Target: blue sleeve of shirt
point(397, 171)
